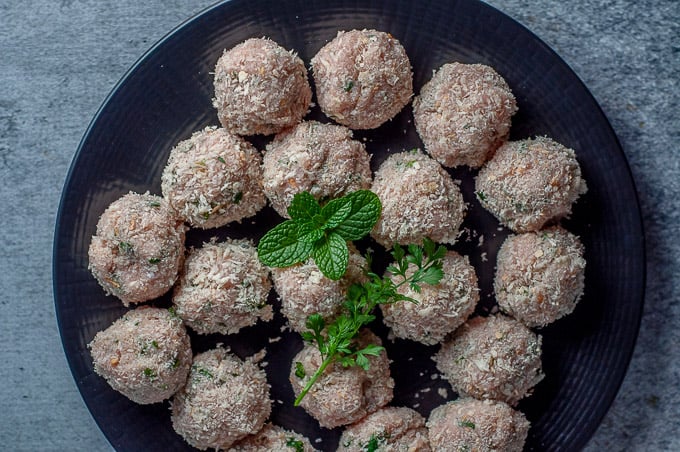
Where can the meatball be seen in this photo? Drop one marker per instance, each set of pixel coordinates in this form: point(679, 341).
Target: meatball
point(419, 199)
point(260, 88)
point(440, 309)
point(469, 424)
point(213, 178)
point(224, 400)
point(223, 288)
point(363, 78)
point(304, 290)
point(540, 275)
point(463, 114)
point(138, 248)
point(274, 438)
point(529, 183)
point(343, 395)
point(388, 429)
point(494, 357)
point(145, 355)
point(321, 159)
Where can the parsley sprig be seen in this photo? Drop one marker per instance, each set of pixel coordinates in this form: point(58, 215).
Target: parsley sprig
point(320, 232)
point(335, 341)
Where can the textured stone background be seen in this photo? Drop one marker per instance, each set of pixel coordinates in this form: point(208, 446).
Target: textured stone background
point(59, 60)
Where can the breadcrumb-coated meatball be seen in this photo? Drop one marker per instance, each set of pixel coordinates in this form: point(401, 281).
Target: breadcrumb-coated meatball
point(477, 425)
point(224, 400)
point(440, 309)
point(145, 354)
point(463, 114)
point(540, 275)
point(494, 357)
point(260, 88)
point(343, 395)
point(321, 159)
point(274, 438)
point(223, 288)
point(304, 290)
point(388, 429)
point(419, 199)
point(138, 248)
point(363, 78)
point(213, 178)
point(530, 182)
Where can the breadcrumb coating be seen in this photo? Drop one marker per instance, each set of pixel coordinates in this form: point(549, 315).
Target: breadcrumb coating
point(363, 78)
point(260, 88)
point(540, 276)
point(463, 114)
point(529, 183)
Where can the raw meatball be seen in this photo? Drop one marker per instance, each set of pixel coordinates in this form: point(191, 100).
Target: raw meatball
point(260, 88)
point(419, 199)
point(321, 159)
point(145, 355)
point(304, 290)
point(223, 288)
point(440, 309)
point(388, 429)
point(540, 275)
point(463, 114)
point(529, 183)
point(343, 395)
point(213, 178)
point(494, 357)
point(363, 78)
point(138, 248)
point(274, 438)
point(476, 425)
point(225, 400)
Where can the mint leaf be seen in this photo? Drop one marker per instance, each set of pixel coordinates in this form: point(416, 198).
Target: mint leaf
point(362, 217)
point(335, 212)
point(304, 207)
point(282, 247)
point(331, 256)
point(309, 232)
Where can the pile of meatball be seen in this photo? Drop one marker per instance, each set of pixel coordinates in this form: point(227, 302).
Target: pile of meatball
point(362, 79)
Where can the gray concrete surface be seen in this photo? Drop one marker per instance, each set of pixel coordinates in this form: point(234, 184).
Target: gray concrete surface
point(58, 61)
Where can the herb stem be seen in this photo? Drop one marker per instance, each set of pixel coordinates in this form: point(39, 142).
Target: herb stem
point(326, 362)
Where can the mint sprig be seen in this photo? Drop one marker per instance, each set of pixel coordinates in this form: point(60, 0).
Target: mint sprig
point(320, 231)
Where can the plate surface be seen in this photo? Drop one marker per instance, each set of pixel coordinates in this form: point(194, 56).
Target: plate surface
point(167, 95)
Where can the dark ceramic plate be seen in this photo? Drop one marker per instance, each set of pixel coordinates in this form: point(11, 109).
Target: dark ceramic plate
point(167, 95)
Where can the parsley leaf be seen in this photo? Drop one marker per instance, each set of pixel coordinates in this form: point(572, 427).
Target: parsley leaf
point(336, 340)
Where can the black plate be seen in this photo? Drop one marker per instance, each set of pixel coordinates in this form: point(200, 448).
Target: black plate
point(167, 95)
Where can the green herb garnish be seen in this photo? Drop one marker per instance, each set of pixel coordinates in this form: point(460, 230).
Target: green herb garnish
point(238, 196)
point(349, 84)
point(320, 232)
point(154, 260)
point(335, 341)
point(481, 195)
point(125, 247)
point(375, 441)
point(221, 159)
point(149, 373)
point(299, 370)
point(467, 423)
point(295, 444)
point(154, 204)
